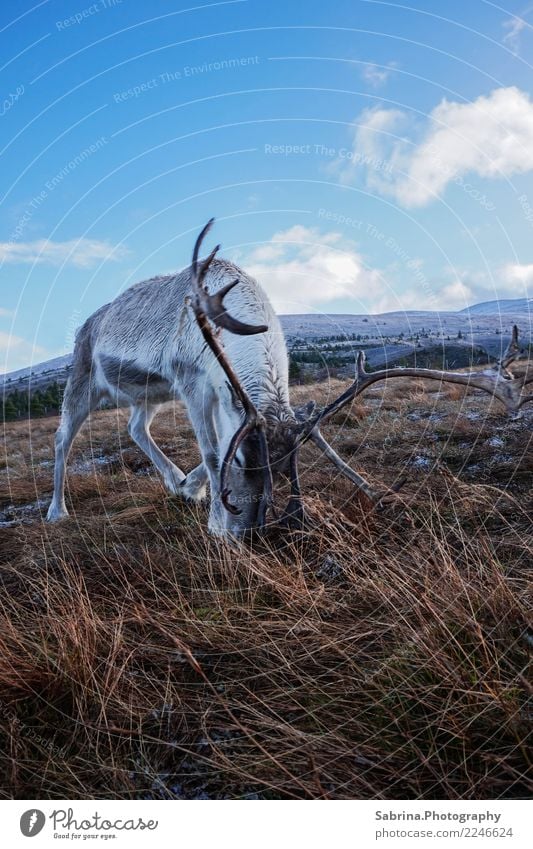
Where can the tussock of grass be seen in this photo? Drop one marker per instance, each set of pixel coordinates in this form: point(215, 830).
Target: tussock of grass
point(373, 656)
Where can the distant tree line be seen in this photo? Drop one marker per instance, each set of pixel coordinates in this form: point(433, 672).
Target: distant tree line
point(317, 357)
point(21, 404)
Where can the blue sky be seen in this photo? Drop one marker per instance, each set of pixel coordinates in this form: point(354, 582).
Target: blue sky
point(357, 155)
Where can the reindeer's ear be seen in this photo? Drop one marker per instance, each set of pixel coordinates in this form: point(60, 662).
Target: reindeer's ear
point(305, 412)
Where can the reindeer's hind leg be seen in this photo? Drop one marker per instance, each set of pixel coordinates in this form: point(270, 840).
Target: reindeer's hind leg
point(80, 398)
point(139, 430)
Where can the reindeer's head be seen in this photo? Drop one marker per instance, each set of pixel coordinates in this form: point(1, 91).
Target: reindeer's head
point(246, 485)
point(261, 449)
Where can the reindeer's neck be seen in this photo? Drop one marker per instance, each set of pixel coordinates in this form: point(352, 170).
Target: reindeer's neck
point(266, 381)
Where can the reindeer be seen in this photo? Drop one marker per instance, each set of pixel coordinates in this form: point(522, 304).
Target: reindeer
point(209, 336)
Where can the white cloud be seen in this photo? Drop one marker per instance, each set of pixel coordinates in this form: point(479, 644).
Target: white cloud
point(440, 297)
point(268, 252)
point(16, 352)
point(303, 270)
point(468, 287)
point(300, 268)
point(5, 313)
point(491, 137)
point(514, 27)
point(517, 276)
point(82, 253)
point(377, 75)
point(376, 147)
point(454, 289)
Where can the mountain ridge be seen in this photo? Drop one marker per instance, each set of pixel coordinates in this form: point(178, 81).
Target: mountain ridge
point(493, 320)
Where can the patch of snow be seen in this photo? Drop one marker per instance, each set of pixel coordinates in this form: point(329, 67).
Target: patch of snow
point(87, 467)
point(12, 515)
point(420, 463)
point(330, 569)
point(502, 458)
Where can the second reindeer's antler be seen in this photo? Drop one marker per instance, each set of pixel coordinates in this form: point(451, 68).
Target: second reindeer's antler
point(211, 307)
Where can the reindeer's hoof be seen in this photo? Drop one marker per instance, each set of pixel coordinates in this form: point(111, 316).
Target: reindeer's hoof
point(384, 499)
point(193, 487)
point(192, 491)
point(56, 513)
point(172, 481)
point(294, 517)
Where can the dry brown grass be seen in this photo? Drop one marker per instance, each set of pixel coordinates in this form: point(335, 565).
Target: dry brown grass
point(374, 656)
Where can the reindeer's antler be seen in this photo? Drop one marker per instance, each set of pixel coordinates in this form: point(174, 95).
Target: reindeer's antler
point(212, 306)
point(497, 381)
point(512, 352)
point(206, 306)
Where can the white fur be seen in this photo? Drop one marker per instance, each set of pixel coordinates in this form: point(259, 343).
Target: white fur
point(149, 331)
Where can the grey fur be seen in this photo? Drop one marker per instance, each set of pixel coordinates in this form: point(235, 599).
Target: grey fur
point(126, 372)
point(145, 348)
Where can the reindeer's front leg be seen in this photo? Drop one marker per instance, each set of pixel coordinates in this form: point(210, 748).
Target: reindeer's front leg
point(202, 405)
point(139, 429)
point(194, 487)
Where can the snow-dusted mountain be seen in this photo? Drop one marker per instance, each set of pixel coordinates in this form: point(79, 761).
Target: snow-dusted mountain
point(490, 318)
point(385, 337)
point(55, 364)
point(504, 307)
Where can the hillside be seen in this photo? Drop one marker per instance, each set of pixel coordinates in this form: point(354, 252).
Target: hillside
point(441, 339)
point(373, 655)
point(56, 364)
point(509, 307)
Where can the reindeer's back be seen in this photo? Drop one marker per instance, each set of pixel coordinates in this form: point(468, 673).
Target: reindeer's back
point(153, 309)
point(150, 323)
